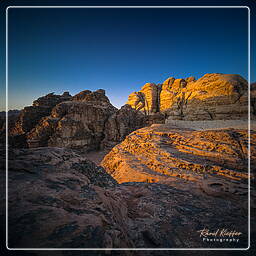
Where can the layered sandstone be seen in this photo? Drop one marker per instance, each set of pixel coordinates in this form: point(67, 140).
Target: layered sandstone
point(147, 99)
point(212, 97)
point(161, 153)
point(59, 199)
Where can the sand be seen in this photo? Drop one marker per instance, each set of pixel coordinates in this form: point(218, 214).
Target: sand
point(214, 124)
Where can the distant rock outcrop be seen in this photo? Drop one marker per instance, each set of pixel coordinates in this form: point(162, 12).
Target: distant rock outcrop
point(31, 115)
point(12, 118)
point(212, 97)
point(79, 122)
point(58, 199)
point(253, 99)
point(87, 121)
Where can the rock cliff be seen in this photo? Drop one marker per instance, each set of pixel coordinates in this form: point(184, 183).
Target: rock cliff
point(212, 97)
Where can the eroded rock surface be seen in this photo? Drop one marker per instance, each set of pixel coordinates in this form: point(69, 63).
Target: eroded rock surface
point(161, 153)
point(212, 97)
point(59, 199)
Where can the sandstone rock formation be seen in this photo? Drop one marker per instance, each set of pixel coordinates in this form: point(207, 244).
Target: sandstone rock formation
point(120, 124)
point(212, 97)
point(147, 99)
point(31, 115)
point(253, 99)
point(160, 152)
point(58, 199)
point(12, 118)
point(88, 121)
point(76, 123)
point(80, 121)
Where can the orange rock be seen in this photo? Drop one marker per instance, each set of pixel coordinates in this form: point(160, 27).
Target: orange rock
point(213, 96)
point(160, 153)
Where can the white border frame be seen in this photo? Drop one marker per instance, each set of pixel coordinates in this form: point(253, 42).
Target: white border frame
point(132, 249)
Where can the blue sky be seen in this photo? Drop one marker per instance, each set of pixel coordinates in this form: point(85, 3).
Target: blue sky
point(119, 50)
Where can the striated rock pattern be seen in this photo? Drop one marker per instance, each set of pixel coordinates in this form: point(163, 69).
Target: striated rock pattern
point(212, 97)
point(58, 199)
point(160, 153)
point(120, 124)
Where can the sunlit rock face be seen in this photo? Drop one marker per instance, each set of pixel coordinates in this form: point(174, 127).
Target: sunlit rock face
point(162, 153)
point(147, 99)
point(212, 97)
point(59, 199)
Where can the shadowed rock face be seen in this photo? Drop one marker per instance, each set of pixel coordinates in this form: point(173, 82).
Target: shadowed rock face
point(59, 199)
point(212, 97)
point(13, 116)
point(30, 116)
point(120, 124)
point(87, 120)
point(76, 123)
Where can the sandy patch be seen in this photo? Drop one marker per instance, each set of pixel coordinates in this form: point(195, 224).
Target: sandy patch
point(214, 124)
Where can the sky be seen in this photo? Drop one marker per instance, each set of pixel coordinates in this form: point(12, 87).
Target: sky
point(119, 50)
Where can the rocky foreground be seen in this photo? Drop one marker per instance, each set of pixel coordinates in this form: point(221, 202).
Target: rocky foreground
point(57, 198)
point(161, 152)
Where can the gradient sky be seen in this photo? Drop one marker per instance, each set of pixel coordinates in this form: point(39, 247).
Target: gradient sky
point(119, 50)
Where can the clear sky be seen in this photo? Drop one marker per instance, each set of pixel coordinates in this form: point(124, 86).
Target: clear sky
point(119, 50)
